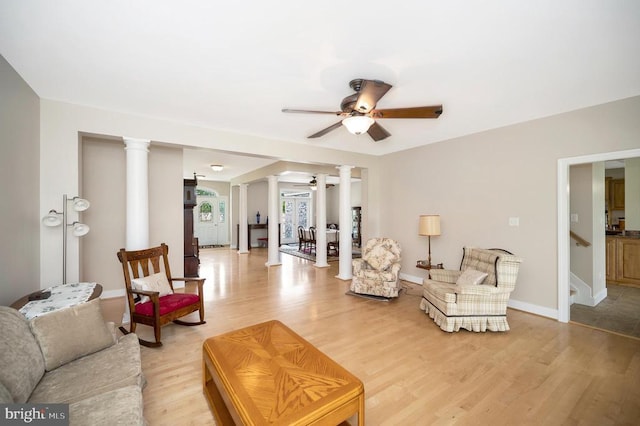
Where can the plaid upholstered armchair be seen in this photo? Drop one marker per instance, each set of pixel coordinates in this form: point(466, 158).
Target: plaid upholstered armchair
point(475, 297)
point(376, 273)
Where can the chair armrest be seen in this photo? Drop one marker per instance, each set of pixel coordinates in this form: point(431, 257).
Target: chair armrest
point(444, 275)
point(395, 268)
point(154, 296)
point(358, 265)
point(199, 281)
point(188, 280)
point(481, 289)
point(151, 294)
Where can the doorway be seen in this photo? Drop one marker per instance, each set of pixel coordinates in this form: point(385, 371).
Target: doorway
point(296, 211)
point(211, 219)
point(563, 219)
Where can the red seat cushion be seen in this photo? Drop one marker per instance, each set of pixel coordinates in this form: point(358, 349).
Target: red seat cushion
point(168, 303)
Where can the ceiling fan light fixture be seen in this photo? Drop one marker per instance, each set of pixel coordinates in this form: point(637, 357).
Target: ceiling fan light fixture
point(217, 167)
point(358, 124)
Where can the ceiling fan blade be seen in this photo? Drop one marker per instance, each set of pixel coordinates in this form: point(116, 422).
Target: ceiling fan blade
point(308, 111)
point(325, 131)
point(433, 111)
point(377, 132)
point(370, 93)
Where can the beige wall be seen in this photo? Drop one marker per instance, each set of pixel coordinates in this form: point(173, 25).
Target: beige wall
point(581, 201)
point(477, 182)
point(632, 193)
point(19, 187)
point(104, 185)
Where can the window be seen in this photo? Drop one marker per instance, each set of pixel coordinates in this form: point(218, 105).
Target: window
point(222, 212)
point(205, 212)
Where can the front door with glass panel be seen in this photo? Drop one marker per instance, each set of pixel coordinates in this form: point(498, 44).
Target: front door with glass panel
point(210, 219)
point(296, 211)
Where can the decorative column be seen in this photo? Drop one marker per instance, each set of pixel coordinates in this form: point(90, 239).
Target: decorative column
point(137, 197)
point(345, 272)
point(243, 247)
point(273, 217)
point(137, 193)
point(321, 222)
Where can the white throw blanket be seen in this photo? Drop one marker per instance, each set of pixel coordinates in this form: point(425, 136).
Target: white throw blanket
point(62, 296)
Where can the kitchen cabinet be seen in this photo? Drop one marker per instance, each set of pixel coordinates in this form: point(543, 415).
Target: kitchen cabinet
point(617, 194)
point(623, 260)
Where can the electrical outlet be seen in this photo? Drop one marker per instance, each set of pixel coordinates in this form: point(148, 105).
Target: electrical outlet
point(514, 221)
point(574, 217)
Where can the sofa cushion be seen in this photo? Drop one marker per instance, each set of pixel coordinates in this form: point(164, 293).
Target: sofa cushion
point(154, 282)
point(114, 367)
point(123, 406)
point(60, 346)
point(445, 292)
point(482, 260)
point(471, 277)
point(381, 253)
point(168, 303)
point(20, 356)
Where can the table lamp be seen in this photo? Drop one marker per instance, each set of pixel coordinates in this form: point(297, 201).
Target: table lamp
point(429, 225)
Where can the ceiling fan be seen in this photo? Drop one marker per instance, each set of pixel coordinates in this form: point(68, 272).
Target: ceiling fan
point(360, 114)
point(313, 184)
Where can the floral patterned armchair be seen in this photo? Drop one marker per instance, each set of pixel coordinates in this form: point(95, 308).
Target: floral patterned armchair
point(475, 297)
point(376, 273)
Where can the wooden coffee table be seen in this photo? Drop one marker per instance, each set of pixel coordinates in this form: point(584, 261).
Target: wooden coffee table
point(266, 374)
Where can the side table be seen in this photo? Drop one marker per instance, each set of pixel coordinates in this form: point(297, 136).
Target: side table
point(58, 299)
point(422, 264)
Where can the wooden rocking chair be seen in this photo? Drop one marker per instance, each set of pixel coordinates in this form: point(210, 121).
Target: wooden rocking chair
point(162, 307)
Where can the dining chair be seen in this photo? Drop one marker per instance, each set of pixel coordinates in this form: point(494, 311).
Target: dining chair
point(312, 239)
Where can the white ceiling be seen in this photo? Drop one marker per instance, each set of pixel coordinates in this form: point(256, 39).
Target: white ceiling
point(234, 65)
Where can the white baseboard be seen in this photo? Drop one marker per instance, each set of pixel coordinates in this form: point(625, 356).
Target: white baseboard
point(584, 290)
point(411, 278)
point(600, 297)
point(533, 309)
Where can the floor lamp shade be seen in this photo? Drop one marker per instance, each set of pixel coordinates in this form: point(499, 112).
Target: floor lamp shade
point(429, 225)
point(55, 218)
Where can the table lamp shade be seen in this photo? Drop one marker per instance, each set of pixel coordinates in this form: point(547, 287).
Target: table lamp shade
point(429, 225)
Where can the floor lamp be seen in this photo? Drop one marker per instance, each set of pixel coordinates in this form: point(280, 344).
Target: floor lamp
point(55, 218)
point(429, 225)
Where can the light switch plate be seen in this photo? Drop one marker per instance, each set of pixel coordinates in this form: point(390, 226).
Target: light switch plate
point(514, 221)
point(574, 217)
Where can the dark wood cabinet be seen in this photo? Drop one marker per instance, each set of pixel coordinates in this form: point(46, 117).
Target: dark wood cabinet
point(191, 260)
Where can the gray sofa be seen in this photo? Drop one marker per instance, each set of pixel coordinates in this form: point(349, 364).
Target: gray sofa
point(72, 356)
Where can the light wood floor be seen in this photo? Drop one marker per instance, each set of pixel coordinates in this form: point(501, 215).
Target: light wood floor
point(541, 372)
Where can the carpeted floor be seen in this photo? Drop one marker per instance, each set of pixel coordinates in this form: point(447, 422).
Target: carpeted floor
point(619, 312)
point(293, 251)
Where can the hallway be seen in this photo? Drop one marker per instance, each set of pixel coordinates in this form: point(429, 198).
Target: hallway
point(619, 312)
